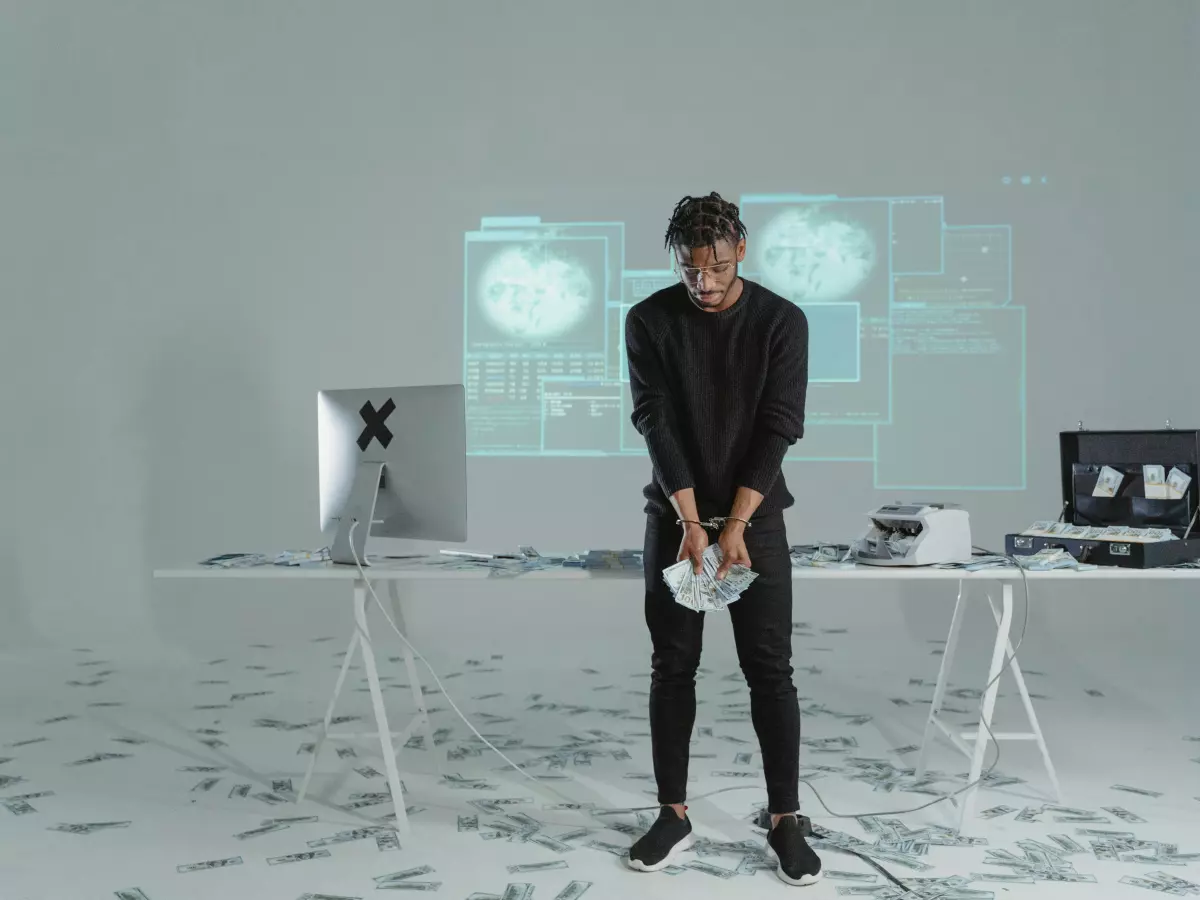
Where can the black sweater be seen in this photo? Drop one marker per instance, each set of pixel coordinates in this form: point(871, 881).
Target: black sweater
point(718, 396)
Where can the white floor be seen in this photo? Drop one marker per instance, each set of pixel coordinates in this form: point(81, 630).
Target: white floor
point(181, 741)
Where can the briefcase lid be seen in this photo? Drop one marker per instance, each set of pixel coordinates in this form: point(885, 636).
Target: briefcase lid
point(1084, 449)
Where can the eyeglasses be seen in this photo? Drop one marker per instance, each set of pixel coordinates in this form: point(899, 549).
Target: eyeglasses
point(692, 273)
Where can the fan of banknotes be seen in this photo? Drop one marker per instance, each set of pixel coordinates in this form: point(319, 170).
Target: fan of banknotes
point(703, 592)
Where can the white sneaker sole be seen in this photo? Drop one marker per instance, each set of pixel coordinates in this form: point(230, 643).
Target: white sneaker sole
point(802, 881)
point(638, 866)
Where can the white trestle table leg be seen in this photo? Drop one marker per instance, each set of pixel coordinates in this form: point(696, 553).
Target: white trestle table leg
point(989, 703)
point(422, 717)
point(381, 722)
point(337, 690)
point(943, 679)
point(1027, 702)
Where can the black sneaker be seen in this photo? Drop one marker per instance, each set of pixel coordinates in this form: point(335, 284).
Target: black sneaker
point(798, 863)
point(658, 847)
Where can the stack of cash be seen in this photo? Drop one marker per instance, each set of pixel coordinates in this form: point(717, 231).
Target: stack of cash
point(1158, 484)
point(613, 559)
point(236, 561)
point(1172, 485)
point(827, 556)
point(303, 557)
point(1051, 558)
point(1108, 482)
point(286, 558)
point(703, 592)
point(975, 563)
point(1111, 533)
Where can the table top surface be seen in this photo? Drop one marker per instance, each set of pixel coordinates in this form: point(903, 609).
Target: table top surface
point(403, 570)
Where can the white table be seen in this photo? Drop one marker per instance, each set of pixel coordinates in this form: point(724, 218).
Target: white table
point(971, 744)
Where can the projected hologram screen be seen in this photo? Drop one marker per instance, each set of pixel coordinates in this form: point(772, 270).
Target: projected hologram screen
point(909, 312)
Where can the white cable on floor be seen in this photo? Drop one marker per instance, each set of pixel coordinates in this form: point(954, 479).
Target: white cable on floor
point(363, 574)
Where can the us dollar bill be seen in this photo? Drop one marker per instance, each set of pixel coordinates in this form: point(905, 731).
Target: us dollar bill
point(404, 875)
point(709, 869)
point(297, 857)
point(263, 829)
point(574, 890)
point(996, 811)
point(99, 757)
point(291, 820)
point(1124, 815)
point(1135, 790)
point(345, 837)
point(88, 827)
point(389, 840)
point(33, 796)
point(1177, 484)
point(537, 867)
point(411, 886)
point(575, 835)
point(210, 864)
point(851, 876)
point(1002, 877)
point(1066, 844)
point(550, 843)
point(1108, 482)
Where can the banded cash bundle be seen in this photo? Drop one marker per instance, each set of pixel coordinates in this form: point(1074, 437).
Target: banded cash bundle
point(1111, 533)
point(703, 592)
point(1051, 558)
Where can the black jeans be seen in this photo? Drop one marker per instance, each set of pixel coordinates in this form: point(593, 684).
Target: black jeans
point(762, 631)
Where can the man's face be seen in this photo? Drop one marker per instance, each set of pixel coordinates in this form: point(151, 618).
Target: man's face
point(709, 276)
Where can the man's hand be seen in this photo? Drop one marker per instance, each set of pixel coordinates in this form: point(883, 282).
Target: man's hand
point(693, 545)
point(733, 548)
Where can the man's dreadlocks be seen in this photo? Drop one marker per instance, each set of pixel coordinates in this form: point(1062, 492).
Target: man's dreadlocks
point(702, 221)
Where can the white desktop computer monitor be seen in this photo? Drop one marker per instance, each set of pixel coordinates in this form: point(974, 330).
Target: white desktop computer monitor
point(395, 458)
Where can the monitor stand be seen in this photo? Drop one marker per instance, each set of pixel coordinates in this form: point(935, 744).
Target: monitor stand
point(359, 507)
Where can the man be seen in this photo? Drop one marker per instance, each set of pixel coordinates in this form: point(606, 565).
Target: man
point(718, 368)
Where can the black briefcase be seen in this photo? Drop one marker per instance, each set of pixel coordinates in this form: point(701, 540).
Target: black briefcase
point(1083, 454)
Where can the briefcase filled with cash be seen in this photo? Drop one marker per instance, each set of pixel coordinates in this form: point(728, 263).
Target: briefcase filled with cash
point(1129, 498)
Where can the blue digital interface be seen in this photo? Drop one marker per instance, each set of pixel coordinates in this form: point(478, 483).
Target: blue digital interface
point(915, 344)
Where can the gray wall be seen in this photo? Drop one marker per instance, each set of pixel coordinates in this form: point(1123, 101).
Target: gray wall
point(210, 210)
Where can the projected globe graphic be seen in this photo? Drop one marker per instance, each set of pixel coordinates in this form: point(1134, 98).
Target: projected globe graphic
point(808, 253)
point(535, 292)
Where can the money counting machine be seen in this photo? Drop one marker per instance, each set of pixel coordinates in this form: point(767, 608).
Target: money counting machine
point(1129, 499)
point(915, 534)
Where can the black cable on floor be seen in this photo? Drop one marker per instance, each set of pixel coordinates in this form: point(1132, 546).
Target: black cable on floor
point(870, 862)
